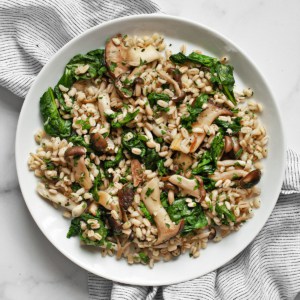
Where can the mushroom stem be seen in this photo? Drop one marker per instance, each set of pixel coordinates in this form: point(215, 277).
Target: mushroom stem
point(166, 228)
point(58, 198)
point(109, 202)
point(188, 186)
point(206, 117)
point(233, 174)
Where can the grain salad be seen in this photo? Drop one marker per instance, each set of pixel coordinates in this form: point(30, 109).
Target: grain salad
point(149, 153)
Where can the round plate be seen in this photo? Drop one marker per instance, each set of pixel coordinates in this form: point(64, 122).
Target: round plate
point(177, 31)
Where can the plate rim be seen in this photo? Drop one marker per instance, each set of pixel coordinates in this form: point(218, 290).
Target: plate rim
point(150, 16)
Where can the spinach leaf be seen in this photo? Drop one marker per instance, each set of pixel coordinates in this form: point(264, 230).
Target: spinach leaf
point(78, 140)
point(209, 184)
point(208, 161)
point(194, 57)
point(144, 258)
point(151, 159)
point(154, 97)
point(161, 169)
point(194, 217)
point(145, 212)
point(194, 111)
point(203, 60)
point(225, 79)
point(96, 186)
point(164, 199)
point(179, 58)
point(224, 214)
point(235, 125)
point(54, 125)
point(114, 163)
point(128, 118)
point(132, 140)
point(75, 229)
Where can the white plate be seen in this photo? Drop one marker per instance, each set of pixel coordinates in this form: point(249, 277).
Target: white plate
point(177, 31)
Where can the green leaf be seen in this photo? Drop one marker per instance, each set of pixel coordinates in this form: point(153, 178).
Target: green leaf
point(78, 140)
point(235, 125)
point(179, 58)
point(208, 161)
point(194, 217)
point(145, 212)
point(135, 141)
point(154, 97)
point(128, 118)
point(204, 60)
point(54, 125)
point(193, 112)
point(74, 229)
point(144, 258)
point(114, 163)
point(224, 214)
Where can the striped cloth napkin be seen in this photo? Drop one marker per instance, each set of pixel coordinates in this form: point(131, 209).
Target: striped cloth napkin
point(31, 31)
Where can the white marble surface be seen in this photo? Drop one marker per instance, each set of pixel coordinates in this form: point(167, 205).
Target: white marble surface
point(269, 32)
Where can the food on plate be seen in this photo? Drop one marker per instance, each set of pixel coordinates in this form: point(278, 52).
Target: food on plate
point(150, 153)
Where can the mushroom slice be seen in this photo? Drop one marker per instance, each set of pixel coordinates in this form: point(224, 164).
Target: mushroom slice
point(126, 196)
point(183, 161)
point(104, 108)
point(232, 174)
point(109, 202)
point(98, 142)
point(137, 172)
point(136, 55)
point(81, 173)
point(250, 179)
point(115, 56)
point(58, 198)
point(206, 117)
point(201, 188)
point(189, 186)
point(166, 228)
point(170, 80)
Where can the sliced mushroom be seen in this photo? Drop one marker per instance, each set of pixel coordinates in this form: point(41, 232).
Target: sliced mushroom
point(136, 55)
point(236, 146)
point(79, 209)
point(115, 225)
point(232, 174)
point(212, 233)
point(188, 186)
point(115, 56)
point(104, 108)
point(98, 142)
point(137, 172)
point(201, 188)
point(250, 179)
point(176, 75)
point(166, 228)
point(206, 117)
point(75, 157)
point(228, 144)
point(183, 160)
point(109, 202)
point(126, 196)
point(170, 80)
point(57, 198)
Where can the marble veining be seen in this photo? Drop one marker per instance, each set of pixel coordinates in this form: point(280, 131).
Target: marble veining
point(269, 32)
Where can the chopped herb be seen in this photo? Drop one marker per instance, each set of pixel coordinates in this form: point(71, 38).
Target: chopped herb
point(149, 192)
point(144, 258)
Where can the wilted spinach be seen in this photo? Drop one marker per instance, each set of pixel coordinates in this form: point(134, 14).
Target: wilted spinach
point(128, 118)
point(208, 161)
point(194, 217)
point(193, 112)
point(54, 124)
point(235, 125)
point(224, 214)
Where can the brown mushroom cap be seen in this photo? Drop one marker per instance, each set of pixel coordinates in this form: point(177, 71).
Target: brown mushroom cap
point(137, 172)
point(74, 151)
point(126, 196)
point(250, 179)
point(98, 142)
point(212, 233)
